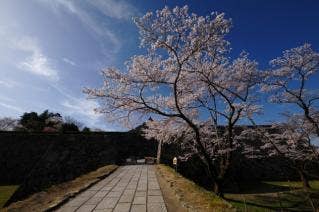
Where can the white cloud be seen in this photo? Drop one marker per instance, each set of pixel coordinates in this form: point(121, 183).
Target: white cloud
point(37, 63)
point(85, 11)
point(115, 8)
point(82, 107)
point(25, 53)
point(7, 83)
point(79, 107)
point(11, 107)
point(69, 61)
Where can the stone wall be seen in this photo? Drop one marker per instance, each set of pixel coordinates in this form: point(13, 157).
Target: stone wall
point(36, 161)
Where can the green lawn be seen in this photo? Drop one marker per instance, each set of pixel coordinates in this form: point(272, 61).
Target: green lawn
point(275, 196)
point(294, 184)
point(6, 192)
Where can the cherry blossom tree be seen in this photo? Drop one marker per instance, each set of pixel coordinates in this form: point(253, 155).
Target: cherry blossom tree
point(187, 83)
point(290, 140)
point(294, 143)
point(288, 80)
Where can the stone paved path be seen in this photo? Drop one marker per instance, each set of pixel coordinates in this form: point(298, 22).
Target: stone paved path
point(130, 188)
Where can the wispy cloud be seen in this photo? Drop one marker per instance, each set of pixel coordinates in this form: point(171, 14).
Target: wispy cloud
point(69, 61)
point(86, 12)
point(115, 8)
point(78, 106)
point(7, 83)
point(82, 106)
point(83, 109)
point(37, 63)
point(11, 107)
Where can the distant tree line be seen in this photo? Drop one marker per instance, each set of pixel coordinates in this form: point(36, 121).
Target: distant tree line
point(44, 122)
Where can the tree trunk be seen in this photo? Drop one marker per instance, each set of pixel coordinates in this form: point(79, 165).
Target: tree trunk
point(304, 179)
point(218, 188)
point(159, 152)
point(210, 168)
point(224, 165)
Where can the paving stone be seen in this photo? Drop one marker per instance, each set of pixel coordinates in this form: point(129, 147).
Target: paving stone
point(103, 210)
point(155, 199)
point(122, 207)
point(94, 189)
point(129, 192)
point(77, 201)
point(138, 208)
point(94, 200)
point(156, 207)
point(113, 182)
point(106, 188)
point(114, 194)
point(108, 202)
point(118, 188)
point(98, 186)
point(139, 200)
point(131, 186)
point(87, 193)
point(100, 194)
point(86, 208)
point(153, 186)
point(140, 194)
point(67, 209)
point(142, 187)
point(154, 192)
point(126, 198)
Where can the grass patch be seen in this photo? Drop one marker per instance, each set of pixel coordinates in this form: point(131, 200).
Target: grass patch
point(276, 196)
point(190, 195)
point(55, 195)
point(6, 192)
point(314, 184)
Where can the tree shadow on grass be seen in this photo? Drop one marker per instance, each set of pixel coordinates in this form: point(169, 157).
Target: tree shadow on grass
point(295, 200)
point(258, 188)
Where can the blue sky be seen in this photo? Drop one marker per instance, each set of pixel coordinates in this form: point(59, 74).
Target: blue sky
point(51, 49)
